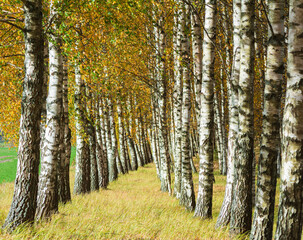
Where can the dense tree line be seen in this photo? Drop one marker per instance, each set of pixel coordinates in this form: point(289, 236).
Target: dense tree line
point(134, 82)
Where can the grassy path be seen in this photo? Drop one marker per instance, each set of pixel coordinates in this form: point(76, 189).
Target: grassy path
point(132, 208)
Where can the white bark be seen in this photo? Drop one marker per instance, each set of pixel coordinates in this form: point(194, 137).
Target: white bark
point(242, 189)
point(270, 140)
point(47, 202)
point(177, 99)
point(224, 216)
point(187, 196)
point(289, 224)
point(206, 178)
point(26, 184)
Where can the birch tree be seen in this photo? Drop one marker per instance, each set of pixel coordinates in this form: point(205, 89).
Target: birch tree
point(111, 147)
point(26, 184)
point(206, 177)
point(197, 42)
point(91, 131)
point(64, 194)
point(121, 139)
point(224, 215)
point(289, 223)
point(177, 99)
point(270, 141)
point(47, 202)
point(163, 138)
point(241, 212)
point(102, 146)
point(82, 176)
point(187, 197)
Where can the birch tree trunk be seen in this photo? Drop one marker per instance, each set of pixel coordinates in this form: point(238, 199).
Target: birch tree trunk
point(47, 201)
point(270, 140)
point(103, 166)
point(218, 132)
point(26, 184)
point(224, 215)
point(111, 148)
point(82, 183)
point(94, 182)
point(222, 114)
point(197, 55)
point(44, 91)
point(138, 139)
point(177, 100)
point(121, 138)
point(163, 133)
point(187, 195)
point(130, 140)
point(154, 138)
point(126, 150)
point(206, 177)
point(114, 137)
point(289, 224)
point(65, 195)
point(241, 212)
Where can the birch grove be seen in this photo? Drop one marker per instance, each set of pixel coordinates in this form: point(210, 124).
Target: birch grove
point(116, 87)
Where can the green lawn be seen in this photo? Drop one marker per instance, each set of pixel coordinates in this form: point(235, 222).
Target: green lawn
point(8, 163)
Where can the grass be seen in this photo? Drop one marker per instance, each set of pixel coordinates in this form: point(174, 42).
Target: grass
point(8, 163)
point(132, 208)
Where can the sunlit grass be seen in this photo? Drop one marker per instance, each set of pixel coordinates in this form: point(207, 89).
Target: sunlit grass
point(8, 164)
point(132, 208)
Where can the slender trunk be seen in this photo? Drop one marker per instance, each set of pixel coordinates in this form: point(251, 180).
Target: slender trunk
point(26, 184)
point(82, 183)
point(187, 195)
point(224, 215)
point(130, 141)
point(132, 150)
point(114, 137)
point(111, 144)
point(121, 139)
point(126, 150)
point(223, 130)
point(289, 224)
point(163, 133)
point(154, 138)
point(47, 201)
point(103, 162)
point(241, 212)
point(44, 91)
point(138, 142)
point(91, 131)
point(64, 193)
point(218, 132)
point(177, 100)
point(206, 177)
point(270, 141)
point(197, 55)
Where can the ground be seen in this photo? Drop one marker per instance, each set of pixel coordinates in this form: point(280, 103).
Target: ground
point(133, 207)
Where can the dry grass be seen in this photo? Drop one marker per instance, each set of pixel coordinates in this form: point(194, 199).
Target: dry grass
point(132, 208)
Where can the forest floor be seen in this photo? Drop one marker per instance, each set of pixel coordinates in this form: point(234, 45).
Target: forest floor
point(133, 207)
